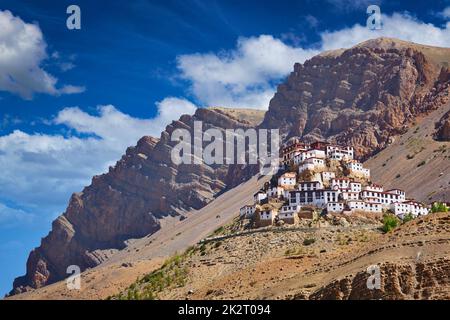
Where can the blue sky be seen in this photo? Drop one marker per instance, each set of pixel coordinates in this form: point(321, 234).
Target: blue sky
point(71, 101)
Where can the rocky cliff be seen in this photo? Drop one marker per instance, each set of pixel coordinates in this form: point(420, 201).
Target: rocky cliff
point(443, 128)
point(128, 201)
point(361, 96)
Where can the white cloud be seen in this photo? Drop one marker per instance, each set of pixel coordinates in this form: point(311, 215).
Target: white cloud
point(69, 89)
point(446, 12)
point(401, 26)
point(242, 77)
point(11, 217)
point(22, 50)
point(42, 170)
point(247, 76)
point(170, 109)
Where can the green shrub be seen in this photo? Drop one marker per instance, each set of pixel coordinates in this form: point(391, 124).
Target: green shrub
point(172, 274)
point(308, 241)
point(439, 207)
point(390, 222)
point(408, 217)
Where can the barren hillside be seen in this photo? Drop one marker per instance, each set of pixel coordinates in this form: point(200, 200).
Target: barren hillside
point(416, 162)
point(143, 255)
point(329, 261)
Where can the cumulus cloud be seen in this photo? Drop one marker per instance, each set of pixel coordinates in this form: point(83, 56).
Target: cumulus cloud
point(169, 109)
point(446, 12)
point(401, 26)
point(243, 77)
point(43, 169)
point(22, 51)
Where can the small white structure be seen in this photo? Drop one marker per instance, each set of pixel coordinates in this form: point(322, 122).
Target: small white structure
point(267, 217)
point(401, 195)
point(355, 187)
point(327, 176)
point(291, 150)
point(314, 198)
point(313, 153)
point(339, 153)
point(374, 187)
point(331, 195)
point(310, 185)
point(287, 180)
point(385, 198)
point(401, 209)
point(247, 211)
point(356, 205)
point(289, 214)
point(259, 196)
point(357, 168)
point(311, 164)
point(335, 207)
point(340, 183)
point(349, 195)
point(373, 207)
point(275, 192)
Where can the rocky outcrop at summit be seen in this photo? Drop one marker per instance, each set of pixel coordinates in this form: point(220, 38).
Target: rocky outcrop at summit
point(128, 201)
point(361, 96)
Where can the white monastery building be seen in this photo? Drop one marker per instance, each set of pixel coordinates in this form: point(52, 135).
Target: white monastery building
point(347, 190)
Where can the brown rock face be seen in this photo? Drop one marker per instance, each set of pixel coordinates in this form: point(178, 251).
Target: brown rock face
point(128, 201)
point(360, 96)
point(443, 128)
point(422, 280)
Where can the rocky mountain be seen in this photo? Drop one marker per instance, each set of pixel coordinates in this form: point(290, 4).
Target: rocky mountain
point(364, 96)
point(129, 201)
point(361, 96)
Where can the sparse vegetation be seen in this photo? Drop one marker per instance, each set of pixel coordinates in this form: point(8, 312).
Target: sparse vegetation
point(308, 241)
point(390, 222)
point(439, 207)
point(408, 217)
point(295, 251)
point(397, 176)
point(410, 156)
point(171, 274)
point(421, 163)
point(218, 231)
point(441, 149)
